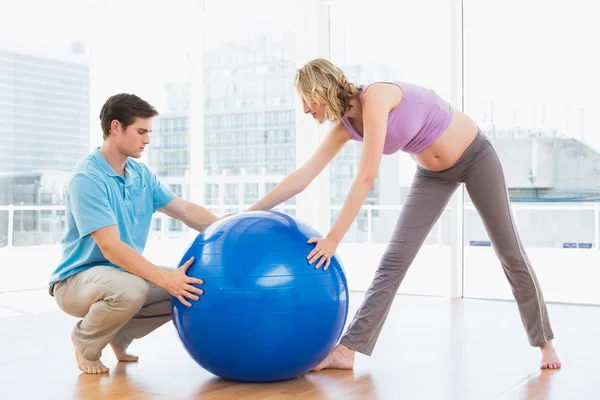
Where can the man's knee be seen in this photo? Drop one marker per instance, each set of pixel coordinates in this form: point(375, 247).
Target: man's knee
point(76, 295)
point(132, 292)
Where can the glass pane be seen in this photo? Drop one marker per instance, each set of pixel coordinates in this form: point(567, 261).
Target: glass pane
point(34, 228)
point(250, 100)
point(58, 65)
point(3, 229)
point(231, 193)
point(211, 194)
point(542, 114)
point(250, 193)
point(358, 232)
point(45, 99)
point(378, 50)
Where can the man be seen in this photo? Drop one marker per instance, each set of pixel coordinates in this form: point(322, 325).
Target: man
point(103, 277)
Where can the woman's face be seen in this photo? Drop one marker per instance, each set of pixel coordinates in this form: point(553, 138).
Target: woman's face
point(315, 109)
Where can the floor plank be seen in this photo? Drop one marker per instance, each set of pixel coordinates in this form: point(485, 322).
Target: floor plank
point(430, 348)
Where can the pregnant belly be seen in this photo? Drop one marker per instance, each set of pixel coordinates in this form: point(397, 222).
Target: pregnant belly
point(447, 149)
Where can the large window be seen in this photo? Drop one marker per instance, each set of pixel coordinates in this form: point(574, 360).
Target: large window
point(533, 90)
point(249, 97)
point(369, 44)
point(156, 68)
point(529, 81)
point(58, 65)
point(44, 116)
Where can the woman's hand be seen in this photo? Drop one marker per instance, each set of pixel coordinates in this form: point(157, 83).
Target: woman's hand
point(323, 251)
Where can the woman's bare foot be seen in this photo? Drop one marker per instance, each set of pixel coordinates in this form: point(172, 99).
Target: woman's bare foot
point(87, 366)
point(550, 358)
point(123, 355)
point(340, 358)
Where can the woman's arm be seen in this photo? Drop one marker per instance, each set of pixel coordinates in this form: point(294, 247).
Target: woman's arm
point(376, 105)
point(301, 178)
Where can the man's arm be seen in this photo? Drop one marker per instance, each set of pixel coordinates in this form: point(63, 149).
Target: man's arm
point(89, 202)
point(191, 214)
point(177, 283)
point(124, 256)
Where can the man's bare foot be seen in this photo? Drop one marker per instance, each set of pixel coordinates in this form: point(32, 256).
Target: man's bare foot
point(87, 366)
point(340, 358)
point(550, 359)
point(123, 355)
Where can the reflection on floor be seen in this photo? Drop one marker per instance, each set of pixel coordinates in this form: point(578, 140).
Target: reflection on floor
point(431, 348)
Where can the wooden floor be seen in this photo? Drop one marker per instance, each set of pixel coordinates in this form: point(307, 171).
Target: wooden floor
point(431, 348)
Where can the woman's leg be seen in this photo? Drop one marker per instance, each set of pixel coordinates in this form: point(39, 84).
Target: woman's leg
point(425, 202)
point(486, 185)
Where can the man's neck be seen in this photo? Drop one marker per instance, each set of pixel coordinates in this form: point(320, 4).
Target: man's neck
point(114, 158)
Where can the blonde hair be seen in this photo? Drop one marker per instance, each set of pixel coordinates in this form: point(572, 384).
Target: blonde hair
point(323, 82)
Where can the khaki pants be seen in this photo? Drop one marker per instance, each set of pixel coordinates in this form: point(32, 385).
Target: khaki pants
point(116, 307)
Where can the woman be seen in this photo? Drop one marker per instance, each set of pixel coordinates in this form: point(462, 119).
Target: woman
point(449, 149)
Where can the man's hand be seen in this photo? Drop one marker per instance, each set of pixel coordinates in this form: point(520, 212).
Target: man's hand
point(179, 285)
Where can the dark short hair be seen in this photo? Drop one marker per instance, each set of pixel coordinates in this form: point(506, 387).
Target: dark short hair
point(125, 108)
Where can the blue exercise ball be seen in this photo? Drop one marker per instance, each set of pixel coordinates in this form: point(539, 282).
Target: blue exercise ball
point(266, 313)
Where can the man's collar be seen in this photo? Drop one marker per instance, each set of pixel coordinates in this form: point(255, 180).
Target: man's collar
point(130, 173)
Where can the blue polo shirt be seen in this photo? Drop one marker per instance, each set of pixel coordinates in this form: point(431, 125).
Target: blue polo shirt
point(98, 197)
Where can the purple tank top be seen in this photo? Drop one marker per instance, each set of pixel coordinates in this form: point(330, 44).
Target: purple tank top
point(420, 118)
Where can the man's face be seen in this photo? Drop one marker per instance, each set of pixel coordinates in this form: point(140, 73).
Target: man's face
point(132, 141)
